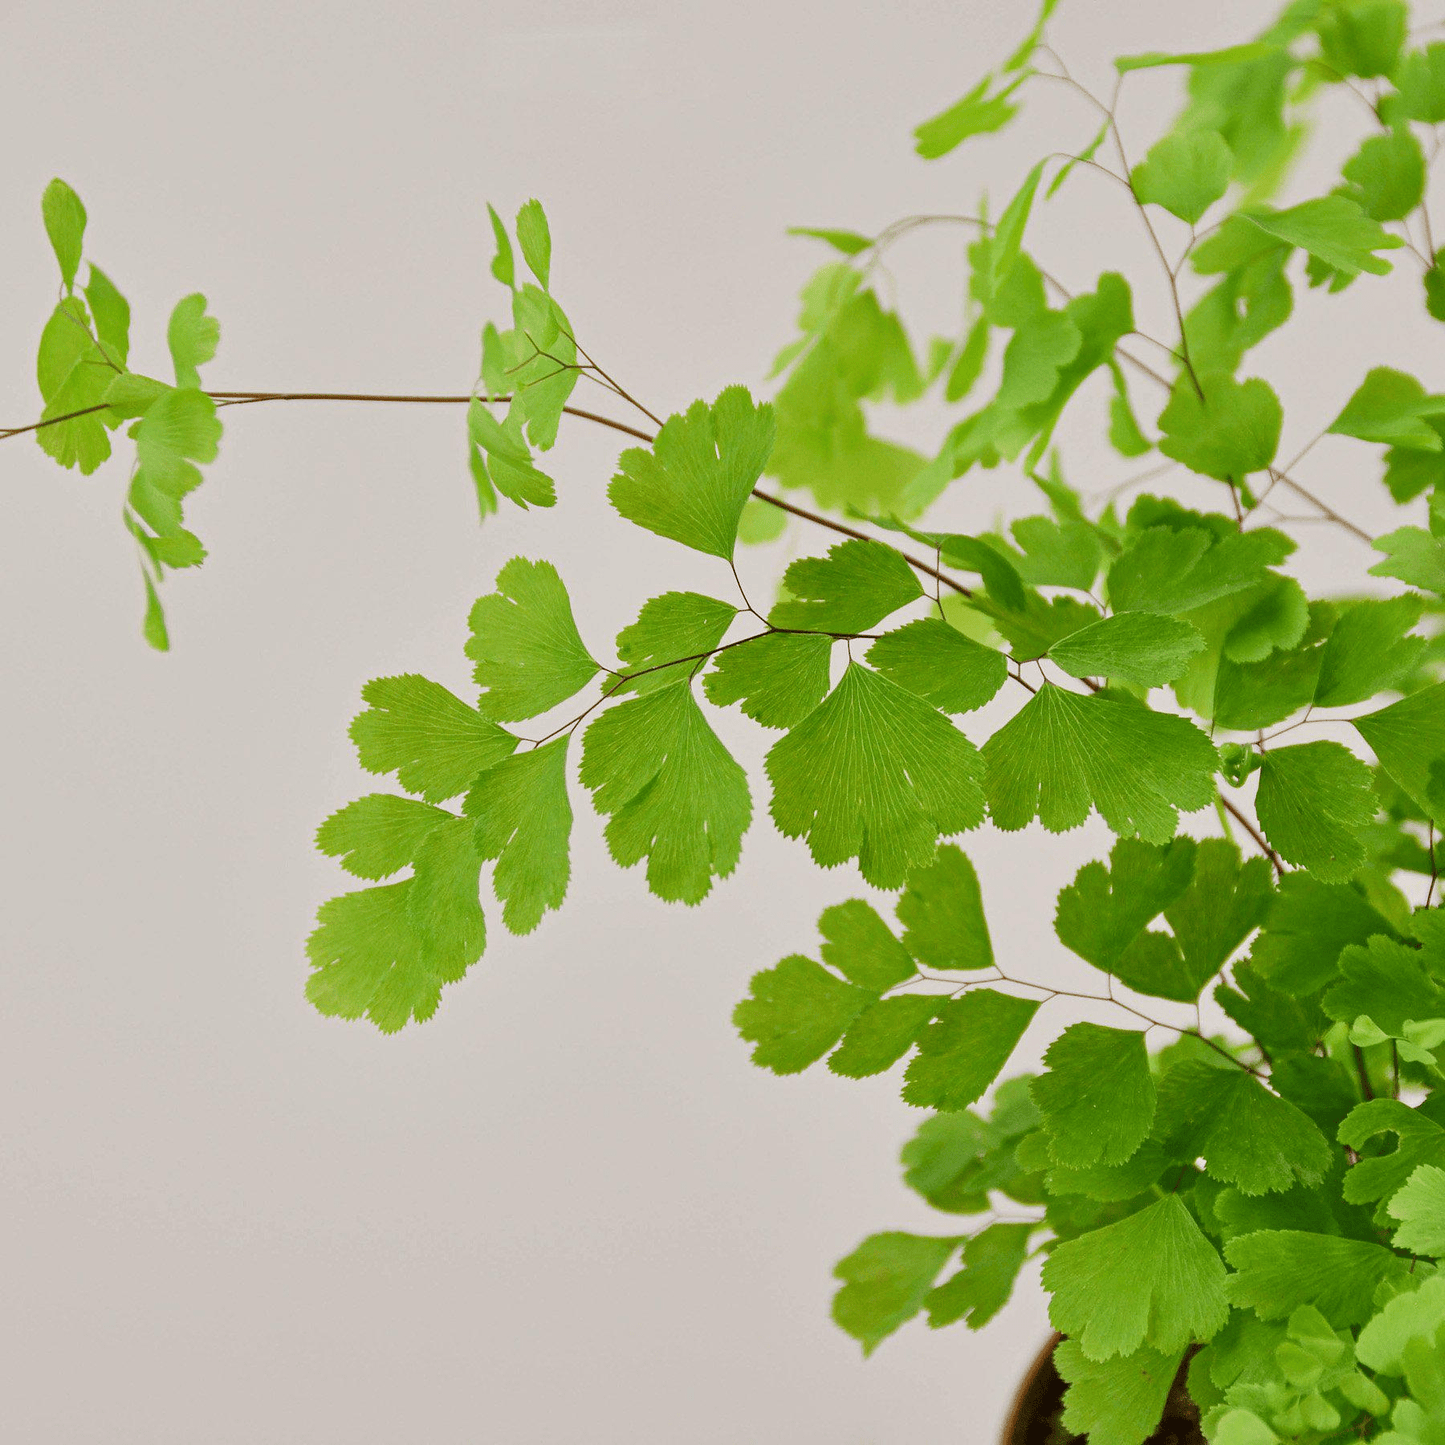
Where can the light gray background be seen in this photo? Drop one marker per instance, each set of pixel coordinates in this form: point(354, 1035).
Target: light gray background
point(568, 1209)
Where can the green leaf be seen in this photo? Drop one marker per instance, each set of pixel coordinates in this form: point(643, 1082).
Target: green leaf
point(1228, 55)
point(1063, 754)
point(977, 113)
point(692, 484)
point(862, 947)
point(1369, 651)
point(1185, 172)
point(1226, 901)
point(1420, 81)
point(1387, 175)
point(778, 678)
point(523, 819)
point(992, 1259)
point(112, 315)
point(1104, 910)
point(678, 627)
point(365, 960)
point(1151, 1279)
point(1415, 556)
point(131, 394)
point(1117, 1401)
point(1008, 234)
point(508, 465)
point(1392, 408)
point(64, 218)
point(442, 906)
point(153, 626)
point(503, 266)
point(1314, 801)
point(1097, 1099)
point(935, 660)
point(72, 376)
point(1421, 1141)
point(193, 337)
point(1408, 738)
point(1387, 980)
point(1384, 1343)
point(1138, 647)
point(431, 740)
point(850, 243)
point(1363, 37)
point(941, 911)
point(1124, 433)
point(1246, 1135)
point(524, 641)
point(855, 586)
point(882, 1034)
point(1420, 1205)
point(969, 366)
point(1278, 1270)
point(1058, 553)
point(1169, 571)
point(795, 1013)
point(1229, 432)
point(876, 774)
point(535, 239)
point(673, 792)
point(378, 835)
point(179, 428)
point(1038, 351)
point(1334, 230)
point(885, 1281)
point(962, 1050)
point(1308, 925)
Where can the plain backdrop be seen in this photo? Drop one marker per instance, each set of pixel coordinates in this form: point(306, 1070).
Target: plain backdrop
point(568, 1209)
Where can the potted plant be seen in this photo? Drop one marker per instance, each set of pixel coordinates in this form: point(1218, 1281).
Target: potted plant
point(1232, 1160)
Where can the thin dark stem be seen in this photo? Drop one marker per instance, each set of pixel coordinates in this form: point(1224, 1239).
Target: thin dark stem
point(1239, 816)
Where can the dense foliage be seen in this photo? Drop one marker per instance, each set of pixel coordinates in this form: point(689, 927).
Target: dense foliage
point(1262, 1203)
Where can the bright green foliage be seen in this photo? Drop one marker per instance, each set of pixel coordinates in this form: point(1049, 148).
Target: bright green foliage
point(1370, 650)
point(778, 678)
point(984, 109)
point(524, 642)
point(1408, 738)
point(535, 239)
point(1097, 1099)
point(1186, 173)
point(431, 740)
point(1278, 1270)
point(850, 243)
point(679, 627)
point(1221, 427)
point(503, 265)
point(193, 337)
point(64, 217)
point(796, 1013)
point(1420, 83)
point(672, 792)
point(692, 484)
point(942, 914)
point(862, 948)
point(508, 462)
point(1246, 1135)
point(1387, 175)
point(1151, 1279)
point(939, 663)
point(1314, 800)
point(1335, 231)
point(1064, 754)
point(73, 375)
point(1390, 982)
point(378, 835)
point(1421, 1141)
point(1172, 570)
point(1420, 1205)
point(1363, 37)
point(1309, 923)
point(855, 586)
point(1392, 408)
point(874, 773)
point(1138, 647)
point(992, 1259)
point(886, 1280)
point(1385, 1340)
point(963, 1049)
point(523, 819)
point(1116, 1401)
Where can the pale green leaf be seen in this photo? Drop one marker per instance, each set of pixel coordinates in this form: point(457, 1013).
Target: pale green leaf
point(795, 1013)
point(535, 239)
point(193, 337)
point(885, 1281)
point(503, 265)
point(64, 217)
point(672, 792)
point(874, 773)
point(1420, 1205)
point(1408, 738)
point(1278, 1270)
point(1169, 570)
point(1314, 801)
point(112, 315)
point(443, 908)
point(1415, 556)
point(1151, 1279)
point(682, 628)
point(1232, 430)
point(992, 1259)
point(524, 641)
point(1138, 647)
point(1334, 230)
point(778, 678)
point(523, 818)
point(856, 585)
point(1369, 651)
point(1391, 407)
point(941, 911)
point(882, 1034)
point(378, 835)
point(434, 743)
point(978, 113)
point(850, 243)
point(861, 946)
point(935, 660)
point(1421, 1141)
point(1097, 1098)
point(1064, 754)
point(692, 484)
point(1387, 175)
point(962, 1051)
point(1185, 172)
point(1008, 234)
